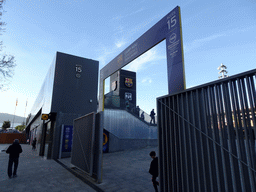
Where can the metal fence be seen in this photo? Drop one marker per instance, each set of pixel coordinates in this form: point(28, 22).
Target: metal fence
point(207, 136)
point(87, 144)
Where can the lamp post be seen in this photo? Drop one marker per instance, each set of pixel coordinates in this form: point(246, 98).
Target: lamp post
point(223, 72)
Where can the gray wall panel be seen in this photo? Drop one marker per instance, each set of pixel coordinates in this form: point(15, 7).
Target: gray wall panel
point(125, 126)
point(116, 144)
point(72, 94)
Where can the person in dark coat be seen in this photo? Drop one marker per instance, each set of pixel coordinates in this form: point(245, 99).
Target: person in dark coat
point(14, 151)
point(34, 144)
point(137, 111)
point(153, 170)
point(142, 115)
point(152, 115)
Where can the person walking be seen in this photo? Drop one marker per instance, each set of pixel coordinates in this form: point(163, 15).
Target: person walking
point(153, 170)
point(14, 151)
point(34, 144)
point(142, 116)
point(152, 115)
point(137, 111)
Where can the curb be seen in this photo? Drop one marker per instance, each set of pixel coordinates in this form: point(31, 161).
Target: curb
point(86, 181)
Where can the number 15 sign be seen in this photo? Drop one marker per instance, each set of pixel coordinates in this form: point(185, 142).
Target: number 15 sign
point(174, 50)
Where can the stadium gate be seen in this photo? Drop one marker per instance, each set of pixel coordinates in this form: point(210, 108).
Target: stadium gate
point(207, 136)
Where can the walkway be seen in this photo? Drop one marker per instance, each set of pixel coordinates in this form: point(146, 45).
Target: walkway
point(125, 171)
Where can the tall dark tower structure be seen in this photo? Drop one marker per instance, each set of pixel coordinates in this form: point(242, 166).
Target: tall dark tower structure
point(122, 89)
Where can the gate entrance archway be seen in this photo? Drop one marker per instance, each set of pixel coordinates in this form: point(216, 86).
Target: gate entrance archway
point(169, 28)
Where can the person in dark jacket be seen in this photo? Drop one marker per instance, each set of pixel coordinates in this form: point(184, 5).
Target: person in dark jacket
point(14, 151)
point(34, 144)
point(152, 115)
point(153, 170)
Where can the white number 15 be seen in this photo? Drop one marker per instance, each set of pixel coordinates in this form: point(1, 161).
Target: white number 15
point(172, 22)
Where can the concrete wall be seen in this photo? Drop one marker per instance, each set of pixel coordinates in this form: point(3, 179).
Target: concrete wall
point(126, 126)
point(116, 144)
point(127, 131)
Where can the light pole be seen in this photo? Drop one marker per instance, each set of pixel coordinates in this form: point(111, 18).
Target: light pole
point(14, 113)
point(223, 72)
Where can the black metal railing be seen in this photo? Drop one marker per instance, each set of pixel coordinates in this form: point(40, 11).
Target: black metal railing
point(207, 136)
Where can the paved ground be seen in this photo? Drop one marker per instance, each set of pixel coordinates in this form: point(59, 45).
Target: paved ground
point(125, 171)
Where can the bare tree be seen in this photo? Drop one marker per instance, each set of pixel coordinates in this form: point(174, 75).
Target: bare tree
point(2, 24)
point(7, 62)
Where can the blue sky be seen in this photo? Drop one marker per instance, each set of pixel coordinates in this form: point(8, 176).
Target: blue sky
point(214, 32)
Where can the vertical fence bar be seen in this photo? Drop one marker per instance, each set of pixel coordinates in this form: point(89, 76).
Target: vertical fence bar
point(177, 144)
point(209, 142)
point(252, 103)
point(247, 120)
point(173, 148)
point(213, 122)
point(165, 152)
point(251, 117)
point(231, 138)
point(176, 133)
point(190, 145)
point(248, 158)
point(171, 137)
point(239, 141)
point(205, 146)
point(201, 145)
point(196, 144)
point(220, 126)
point(180, 131)
point(253, 110)
point(241, 135)
point(187, 183)
point(167, 135)
point(247, 133)
point(160, 144)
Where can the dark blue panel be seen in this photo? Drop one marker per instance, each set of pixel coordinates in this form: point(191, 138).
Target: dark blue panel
point(175, 78)
point(67, 138)
point(174, 51)
point(173, 47)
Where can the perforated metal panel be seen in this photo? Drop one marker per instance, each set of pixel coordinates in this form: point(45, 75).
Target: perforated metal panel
point(83, 143)
point(207, 137)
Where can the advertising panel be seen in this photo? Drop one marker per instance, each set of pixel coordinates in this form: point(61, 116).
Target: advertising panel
point(67, 138)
